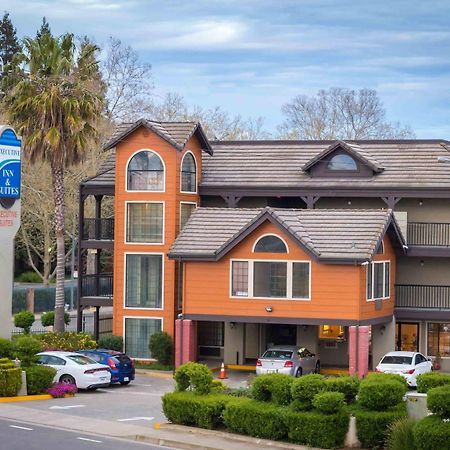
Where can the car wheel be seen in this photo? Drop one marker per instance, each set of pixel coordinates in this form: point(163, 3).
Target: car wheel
point(317, 368)
point(67, 379)
point(124, 383)
point(299, 372)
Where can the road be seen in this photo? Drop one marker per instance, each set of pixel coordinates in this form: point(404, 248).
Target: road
point(19, 436)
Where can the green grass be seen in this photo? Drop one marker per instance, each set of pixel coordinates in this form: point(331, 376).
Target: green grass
point(152, 366)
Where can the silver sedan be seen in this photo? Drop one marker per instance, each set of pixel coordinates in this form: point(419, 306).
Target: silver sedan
point(287, 359)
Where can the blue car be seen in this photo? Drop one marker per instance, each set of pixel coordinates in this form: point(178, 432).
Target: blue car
point(120, 365)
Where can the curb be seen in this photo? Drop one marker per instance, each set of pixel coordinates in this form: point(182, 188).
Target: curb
point(155, 373)
point(25, 398)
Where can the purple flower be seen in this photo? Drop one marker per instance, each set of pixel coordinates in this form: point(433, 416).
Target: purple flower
point(59, 390)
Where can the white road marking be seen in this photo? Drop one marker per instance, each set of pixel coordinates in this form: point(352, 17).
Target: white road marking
point(21, 428)
point(131, 392)
point(137, 384)
point(89, 440)
point(135, 418)
point(67, 407)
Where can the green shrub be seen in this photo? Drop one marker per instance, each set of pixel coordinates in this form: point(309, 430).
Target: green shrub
point(6, 348)
point(347, 385)
point(315, 429)
point(304, 389)
point(69, 341)
point(438, 401)
point(187, 408)
point(380, 395)
point(39, 379)
point(29, 277)
point(373, 426)
point(380, 377)
point(24, 320)
point(257, 419)
point(111, 342)
point(426, 381)
point(329, 402)
point(239, 392)
point(25, 349)
point(218, 387)
point(431, 433)
point(274, 387)
point(10, 378)
point(161, 347)
point(48, 318)
point(400, 435)
point(194, 376)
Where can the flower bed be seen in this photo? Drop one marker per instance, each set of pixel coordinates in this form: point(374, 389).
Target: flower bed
point(61, 390)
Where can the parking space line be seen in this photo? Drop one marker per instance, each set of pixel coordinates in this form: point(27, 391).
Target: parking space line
point(21, 428)
point(89, 440)
point(135, 418)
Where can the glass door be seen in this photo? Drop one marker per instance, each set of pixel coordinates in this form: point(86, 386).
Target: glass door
point(407, 336)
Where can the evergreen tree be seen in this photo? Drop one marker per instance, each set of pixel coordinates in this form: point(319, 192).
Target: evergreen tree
point(9, 44)
point(45, 29)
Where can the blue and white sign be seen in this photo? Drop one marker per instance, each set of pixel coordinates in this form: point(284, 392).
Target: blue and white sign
point(10, 163)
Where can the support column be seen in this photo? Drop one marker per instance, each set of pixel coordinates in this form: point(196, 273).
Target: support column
point(363, 351)
point(185, 341)
point(232, 200)
point(383, 340)
point(96, 322)
point(234, 340)
point(81, 200)
point(391, 201)
point(352, 349)
point(310, 200)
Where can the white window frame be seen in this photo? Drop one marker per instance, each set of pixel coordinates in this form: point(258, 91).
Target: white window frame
point(161, 319)
point(270, 234)
point(184, 203)
point(250, 280)
point(371, 266)
point(128, 162)
point(196, 174)
point(163, 225)
point(125, 281)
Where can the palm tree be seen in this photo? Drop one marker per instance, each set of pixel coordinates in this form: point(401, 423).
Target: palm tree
point(56, 105)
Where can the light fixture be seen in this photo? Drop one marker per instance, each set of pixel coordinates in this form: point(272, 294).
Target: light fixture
point(232, 325)
point(420, 202)
point(382, 329)
point(349, 202)
point(269, 309)
point(422, 263)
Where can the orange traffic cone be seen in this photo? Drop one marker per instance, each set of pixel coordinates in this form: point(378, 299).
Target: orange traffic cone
point(223, 374)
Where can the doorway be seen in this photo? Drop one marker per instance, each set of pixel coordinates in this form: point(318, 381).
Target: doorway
point(407, 336)
point(280, 334)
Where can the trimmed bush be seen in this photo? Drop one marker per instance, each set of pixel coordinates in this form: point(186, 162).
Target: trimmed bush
point(400, 435)
point(187, 408)
point(6, 348)
point(39, 379)
point(257, 419)
point(426, 381)
point(380, 395)
point(315, 429)
point(218, 387)
point(431, 433)
point(194, 376)
point(329, 402)
point(380, 377)
point(304, 389)
point(373, 426)
point(69, 341)
point(274, 387)
point(10, 378)
point(48, 318)
point(24, 320)
point(438, 401)
point(161, 347)
point(348, 386)
point(25, 349)
point(29, 277)
point(111, 342)
point(239, 392)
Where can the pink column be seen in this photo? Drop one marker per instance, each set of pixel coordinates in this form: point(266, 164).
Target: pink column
point(363, 351)
point(177, 343)
point(185, 341)
point(352, 344)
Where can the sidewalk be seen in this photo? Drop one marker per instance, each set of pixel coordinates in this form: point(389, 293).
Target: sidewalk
point(175, 436)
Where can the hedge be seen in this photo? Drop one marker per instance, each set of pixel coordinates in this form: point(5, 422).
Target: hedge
point(373, 426)
point(68, 341)
point(380, 395)
point(10, 378)
point(6, 348)
point(329, 402)
point(438, 401)
point(426, 381)
point(432, 433)
point(348, 386)
point(111, 342)
point(274, 387)
point(257, 419)
point(381, 377)
point(304, 389)
point(39, 379)
point(194, 376)
point(25, 349)
point(188, 408)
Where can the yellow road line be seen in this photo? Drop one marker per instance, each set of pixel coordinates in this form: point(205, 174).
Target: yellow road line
point(25, 398)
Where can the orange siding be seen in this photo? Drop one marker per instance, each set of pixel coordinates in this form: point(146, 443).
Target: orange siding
point(139, 140)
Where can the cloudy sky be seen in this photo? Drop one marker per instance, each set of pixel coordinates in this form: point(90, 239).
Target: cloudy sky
point(251, 57)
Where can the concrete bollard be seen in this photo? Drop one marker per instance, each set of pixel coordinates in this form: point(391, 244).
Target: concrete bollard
point(416, 405)
point(351, 438)
point(23, 388)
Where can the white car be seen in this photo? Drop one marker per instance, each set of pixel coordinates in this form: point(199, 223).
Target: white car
point(76, 369)
point(407, 364)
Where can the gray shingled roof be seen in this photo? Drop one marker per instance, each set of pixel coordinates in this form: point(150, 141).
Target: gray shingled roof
point(329, 235)
point(278, 164)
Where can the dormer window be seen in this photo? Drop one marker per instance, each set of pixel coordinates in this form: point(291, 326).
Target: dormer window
point(342, 162)
point(270, 244)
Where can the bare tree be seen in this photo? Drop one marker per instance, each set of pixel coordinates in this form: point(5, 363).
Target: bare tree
point(339, 113)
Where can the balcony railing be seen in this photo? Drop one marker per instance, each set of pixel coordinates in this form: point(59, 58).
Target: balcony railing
point(422, 296)
point(429, 234)
point(98, 229)
point(94, 285)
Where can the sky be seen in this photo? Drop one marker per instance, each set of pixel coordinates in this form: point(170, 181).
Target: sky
point(251, 57)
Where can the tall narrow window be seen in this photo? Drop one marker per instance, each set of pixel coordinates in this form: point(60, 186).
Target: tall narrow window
point(188, 173)
point(137, 335)
point(145, 222)
point(300, 280)
point(186, 209)
point(378, 280)
point(239, 279)
point(145, 172)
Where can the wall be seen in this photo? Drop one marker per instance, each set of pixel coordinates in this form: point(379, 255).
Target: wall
point(431, 210)
point(433, 271)
point(355, 203)
point(383, 341)
point(234, 344)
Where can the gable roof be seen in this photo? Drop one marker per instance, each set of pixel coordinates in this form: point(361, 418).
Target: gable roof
point(353, 149)
point(176, 133)
point(339, 236)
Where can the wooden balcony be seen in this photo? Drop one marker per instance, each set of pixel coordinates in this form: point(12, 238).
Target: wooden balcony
point(428, 239)
point(93, 285)
point(97, 233)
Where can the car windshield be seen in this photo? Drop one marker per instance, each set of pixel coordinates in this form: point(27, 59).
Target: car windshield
point(396, 359)
point(82, 360)
point(278, 354)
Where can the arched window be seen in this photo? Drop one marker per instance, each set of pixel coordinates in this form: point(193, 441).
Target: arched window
point(342, 162)
point(145, 172)
point(380, 249)
point(270, 244)
point(188, 173)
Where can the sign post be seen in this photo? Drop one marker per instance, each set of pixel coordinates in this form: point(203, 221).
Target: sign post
point(10, 183)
